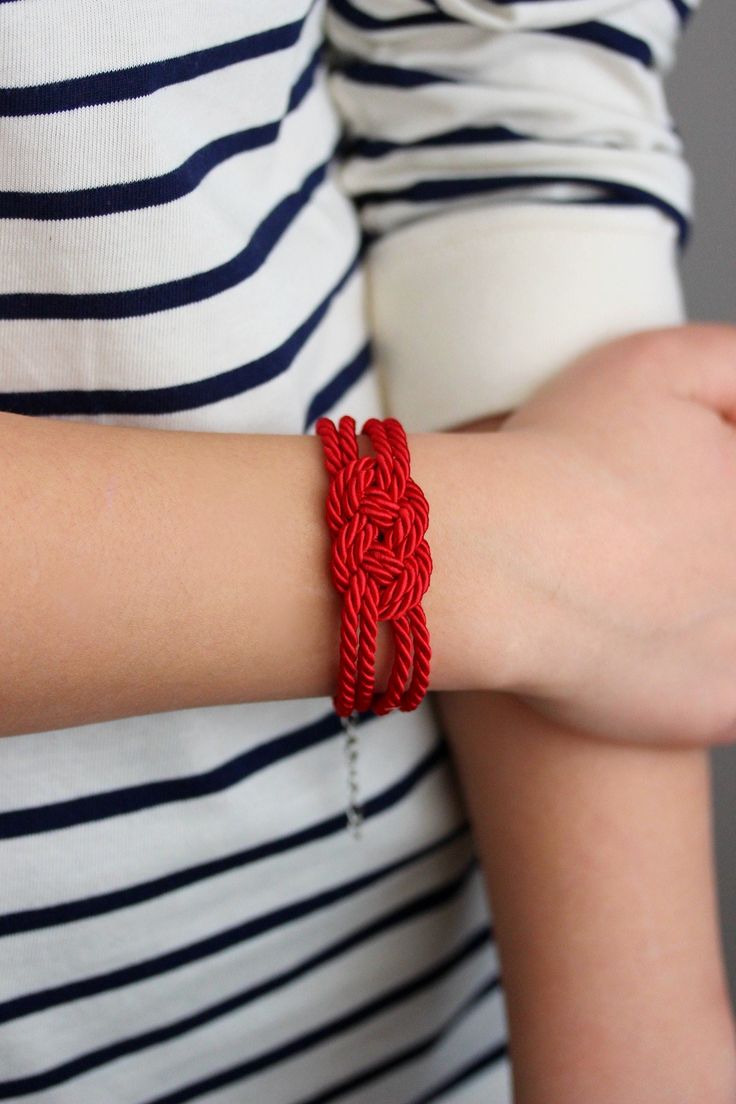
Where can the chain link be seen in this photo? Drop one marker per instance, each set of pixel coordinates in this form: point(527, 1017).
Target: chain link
point(354, 810)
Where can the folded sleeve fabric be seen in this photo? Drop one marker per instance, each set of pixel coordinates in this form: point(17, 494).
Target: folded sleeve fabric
point(521, 184)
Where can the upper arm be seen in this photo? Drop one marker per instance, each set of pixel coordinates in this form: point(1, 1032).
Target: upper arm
point(598, 859)
point(523, 185)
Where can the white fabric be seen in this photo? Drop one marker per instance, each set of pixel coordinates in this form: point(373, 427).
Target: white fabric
point(179, 249)
point(472, 310)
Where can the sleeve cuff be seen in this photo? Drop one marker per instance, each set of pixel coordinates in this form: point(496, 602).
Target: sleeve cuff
point(471, 310)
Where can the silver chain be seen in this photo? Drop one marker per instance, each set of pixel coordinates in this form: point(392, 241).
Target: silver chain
point(354, 810)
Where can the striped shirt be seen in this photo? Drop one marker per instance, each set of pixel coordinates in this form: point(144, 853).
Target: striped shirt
point(237, 216)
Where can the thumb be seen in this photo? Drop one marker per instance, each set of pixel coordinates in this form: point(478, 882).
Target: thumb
point(700, 364)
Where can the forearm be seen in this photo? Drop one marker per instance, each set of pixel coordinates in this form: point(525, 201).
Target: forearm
point(598, 859)
point(148, 570)
point(600, 862)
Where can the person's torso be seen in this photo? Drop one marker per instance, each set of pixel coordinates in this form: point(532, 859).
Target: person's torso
point(183, 913)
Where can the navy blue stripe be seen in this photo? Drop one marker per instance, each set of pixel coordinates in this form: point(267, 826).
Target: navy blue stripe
point(32, 1003)
point(173, 293)
point(180, 396)
point(489, 1057)
point(425, 1046)
point(416, 907)
point(684, 11)
point(358, 18)
point(337, 1026)
point(131, 799)
point(612, 38)
point(68, 912)
point(141, 80)
point(433, 190)
point(462, 136)
point(683, 224)
point(333, 391)
point(409, 1053)
point(154, 191)
point(400, 1058)
point(393, 76)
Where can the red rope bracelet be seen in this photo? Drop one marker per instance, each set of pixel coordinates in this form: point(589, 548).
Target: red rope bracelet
point(380, 563)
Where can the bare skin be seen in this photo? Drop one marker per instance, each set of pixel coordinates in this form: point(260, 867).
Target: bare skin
point(582, 560)
point(598, 859)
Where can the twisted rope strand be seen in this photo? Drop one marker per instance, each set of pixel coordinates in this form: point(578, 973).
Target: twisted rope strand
point(380, 562)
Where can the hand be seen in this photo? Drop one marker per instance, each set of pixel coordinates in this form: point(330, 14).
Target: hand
point(482, 425)
point(624, 523)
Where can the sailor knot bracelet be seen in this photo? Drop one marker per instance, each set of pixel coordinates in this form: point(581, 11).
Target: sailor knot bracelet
point(381, 565)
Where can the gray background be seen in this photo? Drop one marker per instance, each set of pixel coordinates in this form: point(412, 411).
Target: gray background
point(701, 91)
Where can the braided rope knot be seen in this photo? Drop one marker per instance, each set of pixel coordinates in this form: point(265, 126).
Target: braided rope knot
point(380, 561)
point(379, 541)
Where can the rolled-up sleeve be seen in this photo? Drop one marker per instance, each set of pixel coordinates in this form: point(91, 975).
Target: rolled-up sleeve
point(521, 184)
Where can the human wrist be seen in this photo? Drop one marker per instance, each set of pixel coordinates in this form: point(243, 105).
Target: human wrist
point(477, 607)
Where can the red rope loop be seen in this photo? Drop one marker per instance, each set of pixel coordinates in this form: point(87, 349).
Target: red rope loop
point(380, 562)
